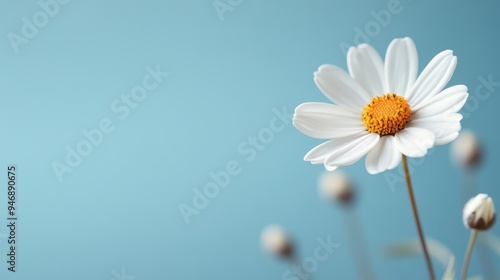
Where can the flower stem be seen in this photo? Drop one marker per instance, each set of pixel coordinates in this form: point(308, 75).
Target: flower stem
point(417, 219)
point(355, 238)
point(472, 240)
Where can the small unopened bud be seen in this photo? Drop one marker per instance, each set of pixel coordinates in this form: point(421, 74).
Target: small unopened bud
point(479, 212)
point(336, 186)
point(275, 241)
point(466, 150)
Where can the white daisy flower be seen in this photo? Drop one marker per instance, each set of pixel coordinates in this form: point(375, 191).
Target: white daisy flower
point(382, 109)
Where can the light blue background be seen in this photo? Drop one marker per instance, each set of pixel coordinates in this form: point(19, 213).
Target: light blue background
point(119, 207)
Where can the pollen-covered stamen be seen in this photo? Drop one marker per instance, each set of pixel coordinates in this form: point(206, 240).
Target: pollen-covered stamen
point(386, 114)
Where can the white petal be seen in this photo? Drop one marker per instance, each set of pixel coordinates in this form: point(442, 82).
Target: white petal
point(444, 126)
point(433, 78)
point(447, 139)
point(318, 107)
point(339, 87)
point(322, 151)
point(326, 121)
point(450, 100)
point(366, 67)
point(384, 156)
point(401, 66)
point(352, 151)
point(323, 128)
point(331, 167)
point(414, 141)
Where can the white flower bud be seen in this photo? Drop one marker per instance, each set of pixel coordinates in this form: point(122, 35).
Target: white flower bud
point(466, 149)
point(275, 240)
point(479, 212)
point(336, 186)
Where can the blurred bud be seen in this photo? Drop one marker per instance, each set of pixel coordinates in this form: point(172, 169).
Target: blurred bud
point(479, 212)
point(466, 149)
point(336, 186)
point(275, 240)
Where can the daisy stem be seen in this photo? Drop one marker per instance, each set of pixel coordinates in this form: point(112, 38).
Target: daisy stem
point(417, 219)
point(354, 236)
point(472, 240)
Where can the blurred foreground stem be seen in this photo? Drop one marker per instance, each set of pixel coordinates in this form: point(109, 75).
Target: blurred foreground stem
point(417, 219)
point(472, 240)
point(357, 245)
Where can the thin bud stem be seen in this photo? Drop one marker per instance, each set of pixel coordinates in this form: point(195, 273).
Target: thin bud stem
point(417, 219)
point(472, 241)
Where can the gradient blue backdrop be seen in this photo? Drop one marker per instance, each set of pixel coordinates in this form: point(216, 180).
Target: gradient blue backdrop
point(119, 207)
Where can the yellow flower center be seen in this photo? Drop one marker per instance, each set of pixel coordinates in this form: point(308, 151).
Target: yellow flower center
point(386, 114)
